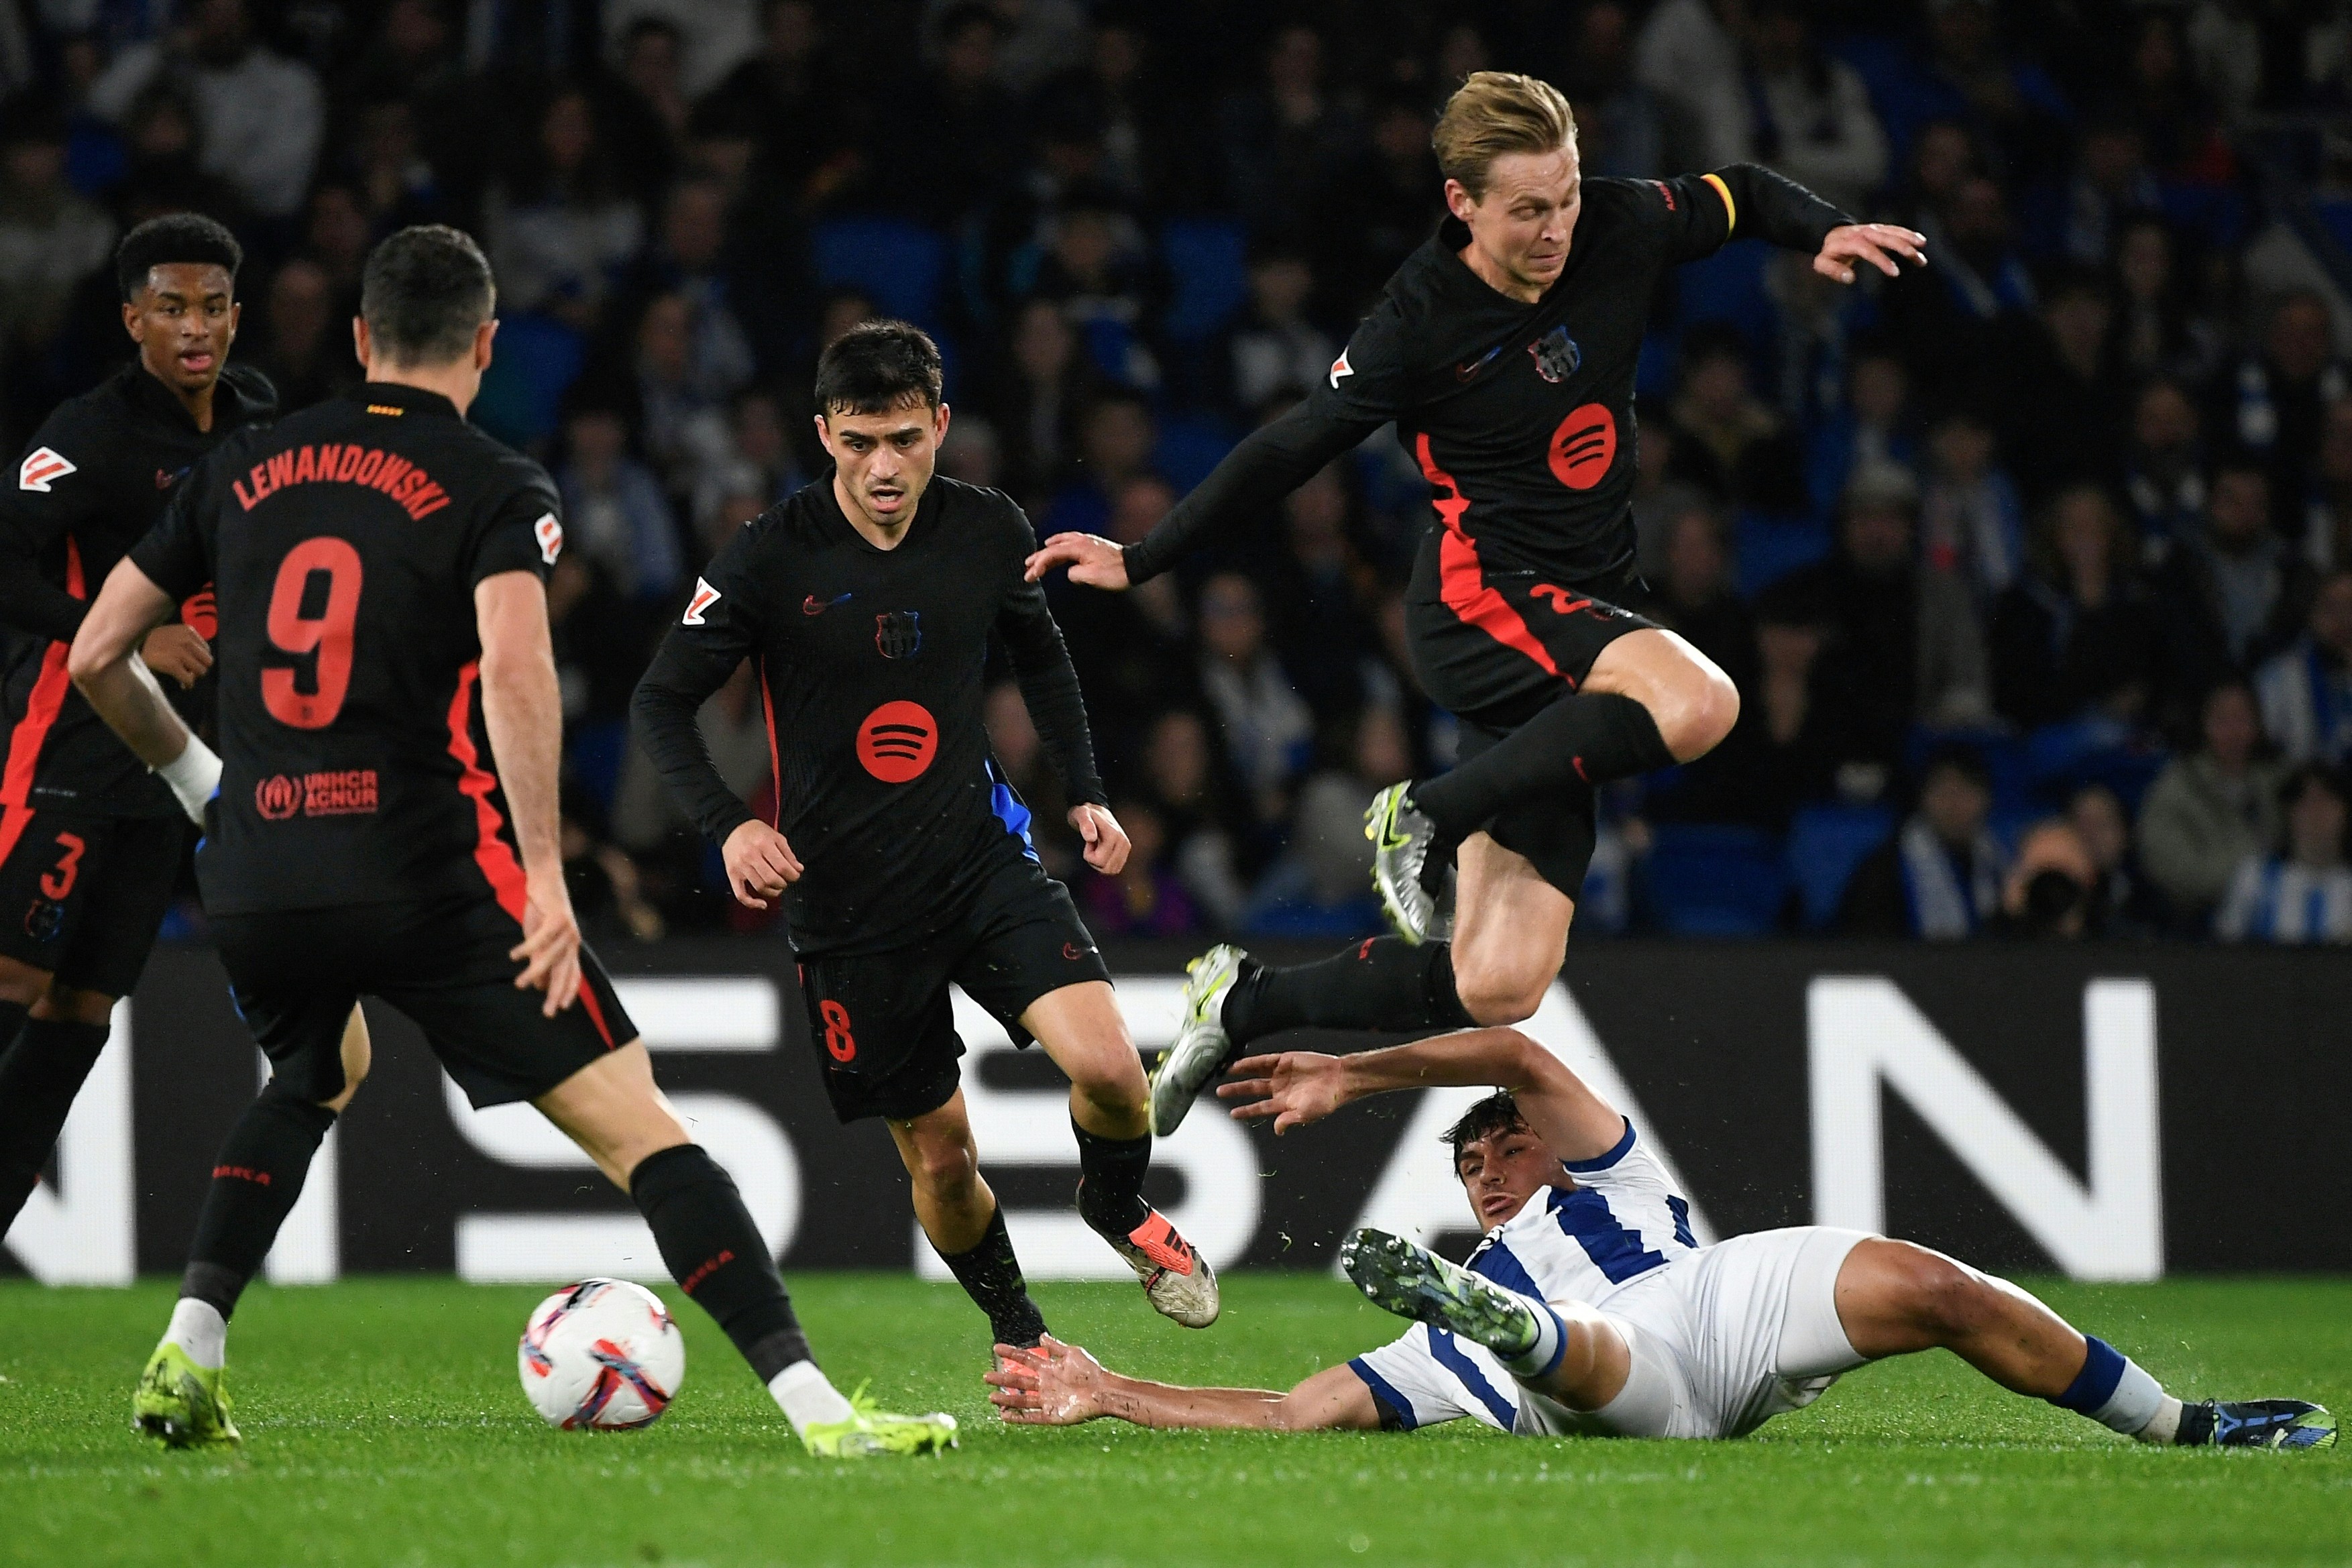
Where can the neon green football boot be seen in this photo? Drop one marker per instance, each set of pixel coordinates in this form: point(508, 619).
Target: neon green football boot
point(183, 1404)
point(871, 1433)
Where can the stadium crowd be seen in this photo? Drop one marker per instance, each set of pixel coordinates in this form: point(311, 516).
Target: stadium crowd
point(2034, 569)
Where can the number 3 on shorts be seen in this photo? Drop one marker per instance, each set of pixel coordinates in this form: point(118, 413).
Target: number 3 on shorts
point(839, 1043)
point(312, 622)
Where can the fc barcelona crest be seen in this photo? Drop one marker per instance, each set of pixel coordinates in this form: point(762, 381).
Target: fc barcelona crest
point(1556, 356)
point(898, 633)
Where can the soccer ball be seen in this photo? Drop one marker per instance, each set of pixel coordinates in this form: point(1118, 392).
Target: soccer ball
point(602, 1354)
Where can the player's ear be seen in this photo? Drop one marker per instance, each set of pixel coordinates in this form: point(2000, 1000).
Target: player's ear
point(939, 424)
point(1459, 201)
point(825, 435)
point(482, 336)
point(236, 316)
point(359, 340)
point(130, 320)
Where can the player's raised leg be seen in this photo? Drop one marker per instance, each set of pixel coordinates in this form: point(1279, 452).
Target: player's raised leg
point(612, 1109)
point(960, 1215)
point(1894, 1298)
point(1110, 1115)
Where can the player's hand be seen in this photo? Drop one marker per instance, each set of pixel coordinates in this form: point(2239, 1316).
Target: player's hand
point(549, 950)
point(1093, 560)
point(174, 649)
point(1106, 849)
point(1293, 1087)
point(759, 864)
point(1053, 1386)
point(1876, 243)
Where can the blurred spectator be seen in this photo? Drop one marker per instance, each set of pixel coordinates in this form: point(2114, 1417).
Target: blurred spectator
point(2075, 635)
point(2306, 689)
point(396, 186)
point(1971, 523)
point(1116, 439)
point(559, 228)
point(1272, 348)
point(1019, 752)
point(1691, 58)
point(1693, 595)
point(1662, 491)
point(1285, 136)
point(2237, 593)
point(2122, 903)
point(1904, 647)
point(1870, 430)
point(2270, 406)
point(1146, 899)
point(1622, 125)
point(303, 345)
point(1035, 38)
point(1094, 265)
point(1731, 439)
point(2304, 895)
point(958, 153)
point(1181, 773)
point(49, 237)
point(1941, 876)
point(2051, 892)
point(606, 892)
point(614, 510)
point(1952, 319)
point(2159, 95)
point(1037, 401)
point(786, 92)
point(2110, 178)
point(688, 259)
point(2063, 406)
point(163, 167)
point(1783, 752)
point(2155, 331)
point(1809, 115)
point(971, 453)
point(2007, 103)
point(1268, 728)
point(647, 106)
point(335, 237)
point(2327, 515)
point(263, 115)
point(1323, 885)
point(760, 462)
point(2163, 471)
point(1323, 634)
point(682, 390)
point(2210, 809)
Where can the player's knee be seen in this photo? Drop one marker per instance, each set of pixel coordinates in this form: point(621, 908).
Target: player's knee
point(1699, 714)
point(1113, 1085)
point(70, 1005)
point(947, 1167)
point(1497, 993)
point(1944, 1299)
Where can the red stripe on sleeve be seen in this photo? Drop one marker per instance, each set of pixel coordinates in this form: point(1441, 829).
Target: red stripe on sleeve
point(775, 768)
point(41, 710)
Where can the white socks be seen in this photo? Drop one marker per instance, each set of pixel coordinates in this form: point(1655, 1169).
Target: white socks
point(1539, 1358)
point(198, 1328)
point(2165, 1425)
point(807, 1396)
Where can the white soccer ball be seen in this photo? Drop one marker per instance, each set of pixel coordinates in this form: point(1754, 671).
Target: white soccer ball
point(603, 1354)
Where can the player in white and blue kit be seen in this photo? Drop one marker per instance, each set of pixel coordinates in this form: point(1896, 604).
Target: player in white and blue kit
point(1592, 1308)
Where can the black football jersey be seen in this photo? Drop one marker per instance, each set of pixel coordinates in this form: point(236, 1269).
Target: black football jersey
point(1519, 416)
point(98, 474)
point(344, 543)
point(870, 664)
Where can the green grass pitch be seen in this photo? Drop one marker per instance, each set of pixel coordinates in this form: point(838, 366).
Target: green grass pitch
point(384, 1424)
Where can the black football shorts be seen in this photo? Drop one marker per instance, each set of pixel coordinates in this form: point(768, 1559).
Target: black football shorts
point(883, 1024)
point(1496, 658)
point(81, 897)
point(295, 974)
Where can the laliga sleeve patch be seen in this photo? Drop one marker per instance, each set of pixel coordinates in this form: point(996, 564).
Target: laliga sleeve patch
point(549, 534)
point(705, 595)
point(1340, 367)
point(42, 470)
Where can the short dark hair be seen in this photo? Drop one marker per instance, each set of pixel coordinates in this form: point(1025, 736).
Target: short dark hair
point(876, 366)
point(425, 292)
point(1498, 1112)
point(175, 239)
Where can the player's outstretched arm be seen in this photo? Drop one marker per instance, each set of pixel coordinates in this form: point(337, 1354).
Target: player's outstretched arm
point(522, 708)
point(1296, 1088)
point(1056, 1384)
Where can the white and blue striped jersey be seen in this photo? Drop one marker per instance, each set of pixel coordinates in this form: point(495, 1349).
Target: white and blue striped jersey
point(1616, 1220)
point(1585, 1242)
point(2284, 901)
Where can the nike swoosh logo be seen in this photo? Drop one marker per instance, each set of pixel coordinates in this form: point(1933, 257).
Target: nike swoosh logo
point(812, 605)
point(1470, 367)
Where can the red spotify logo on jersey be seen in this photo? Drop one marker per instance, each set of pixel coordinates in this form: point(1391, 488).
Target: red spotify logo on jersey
point(1583, 446)
point(898, 741)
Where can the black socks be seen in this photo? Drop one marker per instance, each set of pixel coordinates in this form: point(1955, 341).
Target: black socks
point(715, 1253)
point(990, 1275)
point(1588, 739)
point(255, 1180)
point(39, 1077)
point(1110, 1183)
point(1382, 983)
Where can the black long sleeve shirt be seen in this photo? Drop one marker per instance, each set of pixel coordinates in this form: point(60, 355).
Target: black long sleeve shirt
point(870, 665)
point(1520, 415)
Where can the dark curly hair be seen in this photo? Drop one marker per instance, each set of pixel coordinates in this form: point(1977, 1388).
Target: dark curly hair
point(174, 239)
point(876, 366)
point(1498, 1112)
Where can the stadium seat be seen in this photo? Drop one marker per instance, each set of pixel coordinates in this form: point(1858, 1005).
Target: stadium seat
point(2015, 786)
point(538, 360)
point(1710, 880)
point(596, 753)
point(1189, 446)
point(1207, 272)
point(1767, 547)
point(1728, 287)
point(902, 264)
point(1826, 843)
